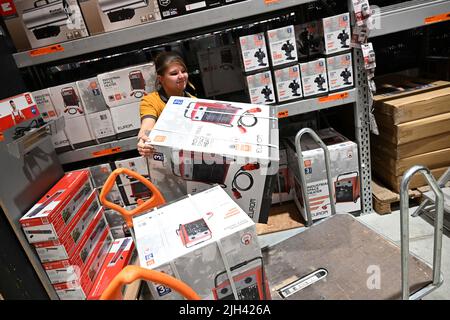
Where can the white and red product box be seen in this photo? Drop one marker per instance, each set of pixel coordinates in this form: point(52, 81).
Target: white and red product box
point(282, 45)
point(96, 111)
point(49, 217)
point(260, 88)
point(128, 85)
point(314, 77)
point(63, 248)
point(336, 31)
point(118, 257)
point(232, 144)
point(126, 119)
point(103, 16)
point(254, 52)
point(99, 175)
point(71, 268)
point(17, 109)
point(283, 190)
point(288, 83)
point(309, 39)
point(174, 8)
point(48, 112)
point(67, 103)
point(212, 239)
point(79, 289)
point(344, 174)
point(34, 24)
point(340, 71)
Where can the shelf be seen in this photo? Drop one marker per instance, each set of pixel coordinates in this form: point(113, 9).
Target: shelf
point(411, 14)
point(156, 29)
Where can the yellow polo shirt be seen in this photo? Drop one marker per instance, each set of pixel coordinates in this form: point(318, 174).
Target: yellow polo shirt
point(152, 105)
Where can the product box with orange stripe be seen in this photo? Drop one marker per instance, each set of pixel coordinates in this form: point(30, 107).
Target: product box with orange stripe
point(49, 218)
point(17, 109)
point(344, 174)
point(118, 258)
point(63, 248)
point(72, 268)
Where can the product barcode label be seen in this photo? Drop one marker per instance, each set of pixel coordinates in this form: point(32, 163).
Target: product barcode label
point(201, 141)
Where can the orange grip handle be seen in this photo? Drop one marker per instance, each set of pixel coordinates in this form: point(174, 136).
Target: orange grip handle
point(131, 273)
point(156, 199)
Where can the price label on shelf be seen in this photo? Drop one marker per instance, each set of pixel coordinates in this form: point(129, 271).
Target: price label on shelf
point(46, 50)
point(438, 18)
point(283, 114)
point(106, 152)
point(334, 97)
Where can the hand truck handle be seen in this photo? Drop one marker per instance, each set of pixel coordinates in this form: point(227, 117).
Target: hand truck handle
point(346, 174)
point(302, 171)
point(132, 273)
point(404, 223)
point(156, 199)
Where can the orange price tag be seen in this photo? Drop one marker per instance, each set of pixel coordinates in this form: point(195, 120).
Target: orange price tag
point(438, 18)
point(46, 50)
point(283, 114)
point(334, 97)
point(271, 1)
point(106, 152)
point(2, 137)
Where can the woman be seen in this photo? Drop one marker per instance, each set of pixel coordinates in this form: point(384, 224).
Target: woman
point(171, 80)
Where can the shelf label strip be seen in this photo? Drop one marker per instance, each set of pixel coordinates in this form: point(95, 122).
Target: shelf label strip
point(283, 114)
point(106, 152)
point(438, 18)
point(46, 50)
point(334, 97)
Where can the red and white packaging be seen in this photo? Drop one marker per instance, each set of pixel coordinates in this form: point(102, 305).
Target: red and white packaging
point(71, 268)
point(48, 219)
point(17, 109)
point(62, 248)
point(79, 289)
point(118, 257)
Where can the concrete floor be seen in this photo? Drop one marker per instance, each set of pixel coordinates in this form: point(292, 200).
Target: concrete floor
point(421, 243)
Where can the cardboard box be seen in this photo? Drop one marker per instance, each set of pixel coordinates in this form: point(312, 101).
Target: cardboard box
point(117, 224)
point(340, 72)
point(220, 70)
point(232, 144)
point(135, 191)
point(260, 88)
point(103, 15)
point(64, 247)
point(78, 133)
point(191, 245)
point(282, 45)
point(99, 174)
point(137, 164)
point(126, 119)
point(128, 85)
point(309, 39)
point(34, 24)
point(49, 217)
point(344, 174)
point(175, 8)
point(314, 77)
point(17, 109)
point(336, 31)
point(117, 258)
point(288, 83)
point(254, 52)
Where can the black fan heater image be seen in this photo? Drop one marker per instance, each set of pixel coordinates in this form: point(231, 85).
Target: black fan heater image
point(346, 74)
point(260, 55)
point(343, 37)
point(288, 47)
point(266, 91)
point(294, 86)
point(320, 80)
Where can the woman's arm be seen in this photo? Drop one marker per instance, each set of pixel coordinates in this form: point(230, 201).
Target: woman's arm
point(146, 126)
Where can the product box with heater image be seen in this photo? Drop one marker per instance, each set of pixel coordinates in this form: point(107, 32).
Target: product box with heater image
point(126, 119)
point(72, 268)
point(108, 15)
point(336, 32)
point(48, 112)
point(175, 8)
point(282, 45)
point(309, 39)
point(16, 110)
point(117, 258)
point(344, 174)
point(96, 111)
point(254, 52)
point(288, 83)
point(33, 24)
point(260, 88)
point(314, 77)
point(49, 217)
point(212, 240)
point(340, 71)
point(63, 247)
point(232, 144)
point(128, 85)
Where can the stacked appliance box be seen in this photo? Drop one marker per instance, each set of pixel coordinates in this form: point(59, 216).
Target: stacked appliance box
point(413, 118)
point(17, 109)
point(70, 234)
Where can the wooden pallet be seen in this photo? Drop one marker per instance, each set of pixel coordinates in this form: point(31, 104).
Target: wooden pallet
point(281, 217)
point(385, 200)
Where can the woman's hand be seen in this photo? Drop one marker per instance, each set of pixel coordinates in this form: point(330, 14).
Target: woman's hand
point(144, 148)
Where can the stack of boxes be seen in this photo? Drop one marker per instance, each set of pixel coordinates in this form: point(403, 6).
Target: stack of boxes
point(413, 118)
point(70, 234)
point(17, 109)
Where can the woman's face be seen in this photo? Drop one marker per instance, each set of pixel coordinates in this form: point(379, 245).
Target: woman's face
point(175, 79)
